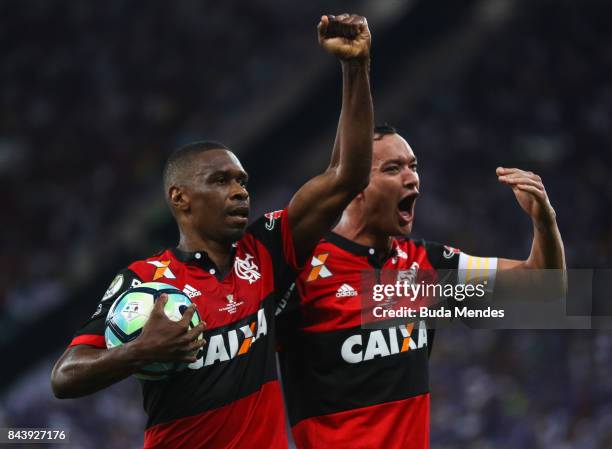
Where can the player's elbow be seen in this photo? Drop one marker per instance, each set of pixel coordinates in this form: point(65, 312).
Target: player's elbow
point(62, 385)
point(59, 392)
point(59, 386)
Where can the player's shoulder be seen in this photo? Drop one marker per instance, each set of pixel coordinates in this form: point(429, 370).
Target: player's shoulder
point(153, 268)
point(440, 255)
point(267, 223)
point(267, 230)
point(428, 245)
point(162, 264)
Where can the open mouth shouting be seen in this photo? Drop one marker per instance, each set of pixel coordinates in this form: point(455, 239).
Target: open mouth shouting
point(405, 208)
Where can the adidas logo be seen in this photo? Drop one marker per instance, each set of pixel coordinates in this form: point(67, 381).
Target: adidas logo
point(345, 290)
point(191, 292)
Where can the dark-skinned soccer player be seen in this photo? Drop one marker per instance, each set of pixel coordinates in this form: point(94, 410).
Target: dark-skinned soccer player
point(229, 397)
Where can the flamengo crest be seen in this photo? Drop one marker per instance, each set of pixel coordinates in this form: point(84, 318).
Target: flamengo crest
point(247, 269)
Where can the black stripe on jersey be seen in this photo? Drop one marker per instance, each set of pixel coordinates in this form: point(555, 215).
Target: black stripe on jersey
point(436, 255)
point(318, 381)
point(95, 325)
point(271, 238)
point(222, 382)
point(374, 256)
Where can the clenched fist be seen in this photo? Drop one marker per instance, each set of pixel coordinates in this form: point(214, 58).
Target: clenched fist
point(345, 36)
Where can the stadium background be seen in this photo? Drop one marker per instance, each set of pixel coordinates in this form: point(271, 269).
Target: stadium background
point(94, 95)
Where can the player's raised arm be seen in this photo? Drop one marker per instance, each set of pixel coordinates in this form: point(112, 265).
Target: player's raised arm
point(547, 252)
point(315, 207)
point(547, 248)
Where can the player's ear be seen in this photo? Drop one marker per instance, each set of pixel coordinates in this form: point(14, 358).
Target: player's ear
point(178, 198)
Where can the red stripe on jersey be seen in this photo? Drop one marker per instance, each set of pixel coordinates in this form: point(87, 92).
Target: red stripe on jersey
point(90, 340)
point(214, 299)
point(392, 425)
point(322, 310)
point(255, 421)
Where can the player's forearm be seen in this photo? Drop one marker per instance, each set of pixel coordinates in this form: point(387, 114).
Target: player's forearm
point(83, 370)
point(353, 152)
point(547, 250)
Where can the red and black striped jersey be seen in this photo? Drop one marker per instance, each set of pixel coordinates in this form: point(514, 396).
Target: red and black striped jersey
point(347, 386)
point(230, 397)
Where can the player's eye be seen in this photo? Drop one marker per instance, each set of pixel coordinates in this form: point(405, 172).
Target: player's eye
point(414, 167)
point(220, 180)
point(243, 182)
point(392, 169)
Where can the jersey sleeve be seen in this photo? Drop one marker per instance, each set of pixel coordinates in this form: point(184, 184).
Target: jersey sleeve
point(273, 231)
point(91, 332)
point(469, 268)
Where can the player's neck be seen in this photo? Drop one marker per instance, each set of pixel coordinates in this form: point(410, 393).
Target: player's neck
point(220, 253)
point(359, 234)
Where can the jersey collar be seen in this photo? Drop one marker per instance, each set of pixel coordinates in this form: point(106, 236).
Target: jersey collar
point(202, 259)
point(375, 257)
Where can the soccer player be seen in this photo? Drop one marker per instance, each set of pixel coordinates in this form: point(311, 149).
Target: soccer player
point(349, 387)
point(235, 274)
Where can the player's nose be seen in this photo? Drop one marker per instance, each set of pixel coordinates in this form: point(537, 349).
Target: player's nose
point(239, 192)
point(410, 180)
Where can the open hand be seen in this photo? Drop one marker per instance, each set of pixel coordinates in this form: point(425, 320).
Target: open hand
point(529, 192)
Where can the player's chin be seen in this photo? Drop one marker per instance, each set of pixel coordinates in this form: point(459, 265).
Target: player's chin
point(235, 230)
point(404, 228)
point(234, 235)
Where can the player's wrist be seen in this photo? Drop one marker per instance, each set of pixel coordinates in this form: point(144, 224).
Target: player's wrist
point(356, 63)
point(546, 223)
point(135, 355)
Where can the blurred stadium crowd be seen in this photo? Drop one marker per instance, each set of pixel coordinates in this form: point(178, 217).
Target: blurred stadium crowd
point(91, 103)
point(94, 95)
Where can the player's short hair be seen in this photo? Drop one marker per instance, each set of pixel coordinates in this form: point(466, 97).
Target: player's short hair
point(181, 159)
point(383, 130)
